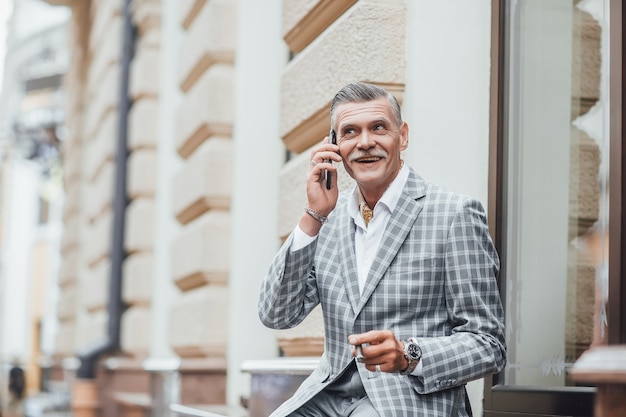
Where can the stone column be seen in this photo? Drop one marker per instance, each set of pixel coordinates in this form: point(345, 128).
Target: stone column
point(259, 155)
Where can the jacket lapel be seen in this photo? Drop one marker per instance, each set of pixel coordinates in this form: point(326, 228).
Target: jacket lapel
point(348, 256)
point(401, 221)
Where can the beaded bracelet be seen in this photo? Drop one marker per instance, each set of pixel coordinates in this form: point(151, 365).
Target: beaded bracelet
point(316, 215)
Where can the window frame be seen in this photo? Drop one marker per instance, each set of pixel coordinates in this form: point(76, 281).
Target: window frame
point(502, 400)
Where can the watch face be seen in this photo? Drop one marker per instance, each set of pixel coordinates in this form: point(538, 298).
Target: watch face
point(413, 351)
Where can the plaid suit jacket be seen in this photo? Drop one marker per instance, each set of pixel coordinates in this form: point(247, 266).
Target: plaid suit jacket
point(434, 278)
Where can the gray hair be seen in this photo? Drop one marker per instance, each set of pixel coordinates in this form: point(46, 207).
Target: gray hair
point(362, 92)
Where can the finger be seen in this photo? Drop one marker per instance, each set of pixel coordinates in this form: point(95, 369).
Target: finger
point(358, 353)
point(376, 367)
point(326, 156)
point(318, 171)
point(373, 354)
point(373, 337)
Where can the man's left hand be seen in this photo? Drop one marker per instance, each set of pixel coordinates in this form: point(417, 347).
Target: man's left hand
point(381, 350)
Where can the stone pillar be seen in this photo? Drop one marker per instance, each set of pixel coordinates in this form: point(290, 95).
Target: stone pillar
point(261, 56)
point(605, 367)
point(164, 385)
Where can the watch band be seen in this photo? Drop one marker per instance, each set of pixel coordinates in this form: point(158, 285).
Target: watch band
point(413, 355)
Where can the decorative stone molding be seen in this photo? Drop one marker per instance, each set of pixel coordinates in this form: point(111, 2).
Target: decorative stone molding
point(103, 14)
point(100, 150)
point(102, 103)
point(93, 291)
point(69, 239)
point(146, 15)
point(207, 110)
point(69, 268)
point(302, 346)
point(135, 337)
point(71, 163)
point(139, 232)
point(60, 2)
point(142, 172)
point(189, 9)
point(585, 192)
point(107, 58)
point(306, 339)
point(204, 182)
point(98, 235)
point(66, 303)
point(315, 75)
point(313, 129)
point(143, 130)
point(137, 283)
point(200, 255)
point(315, 20)
point(99, 195)
point(209, 40)
point(145, 75)
point(196, 323)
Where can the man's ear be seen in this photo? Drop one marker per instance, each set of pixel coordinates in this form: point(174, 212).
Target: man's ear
point(404, 136)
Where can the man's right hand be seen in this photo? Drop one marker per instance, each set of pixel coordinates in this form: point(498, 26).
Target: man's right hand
point(320, 199)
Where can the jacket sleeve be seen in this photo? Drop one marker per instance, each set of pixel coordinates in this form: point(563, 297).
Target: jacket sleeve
point(289, 291)
point(476, 345)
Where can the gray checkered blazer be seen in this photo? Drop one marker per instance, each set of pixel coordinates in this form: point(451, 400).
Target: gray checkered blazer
point(434, 278)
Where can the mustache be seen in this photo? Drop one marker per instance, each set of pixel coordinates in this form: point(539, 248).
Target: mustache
point(377, 153)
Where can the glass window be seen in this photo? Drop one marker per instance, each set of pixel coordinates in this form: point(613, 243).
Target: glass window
point(556, 153)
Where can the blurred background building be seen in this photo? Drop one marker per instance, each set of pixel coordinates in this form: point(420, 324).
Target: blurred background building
point(153, 156)
point(32, 108)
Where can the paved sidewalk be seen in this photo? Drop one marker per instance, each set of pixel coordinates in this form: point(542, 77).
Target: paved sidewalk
point(47, 405)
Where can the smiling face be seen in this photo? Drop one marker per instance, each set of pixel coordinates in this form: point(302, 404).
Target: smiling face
point(370, 142)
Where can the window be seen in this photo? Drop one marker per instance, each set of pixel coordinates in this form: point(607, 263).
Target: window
point(552, 149)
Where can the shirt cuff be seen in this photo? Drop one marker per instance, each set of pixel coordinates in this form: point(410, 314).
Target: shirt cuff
point(300, 239)
point(419, 369)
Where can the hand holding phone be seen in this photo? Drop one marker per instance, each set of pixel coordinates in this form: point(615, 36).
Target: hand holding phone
point(333, 140)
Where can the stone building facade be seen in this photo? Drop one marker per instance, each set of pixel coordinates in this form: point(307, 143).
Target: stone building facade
point(190, 125)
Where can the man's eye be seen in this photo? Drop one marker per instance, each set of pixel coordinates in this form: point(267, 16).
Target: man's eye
point(380, 129)
point(349, 133)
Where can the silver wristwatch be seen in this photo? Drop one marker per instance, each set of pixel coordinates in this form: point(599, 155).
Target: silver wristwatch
point(413, 354)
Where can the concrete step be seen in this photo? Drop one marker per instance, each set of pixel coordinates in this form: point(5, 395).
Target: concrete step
point(206, 410)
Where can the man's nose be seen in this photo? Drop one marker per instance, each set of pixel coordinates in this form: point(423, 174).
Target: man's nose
point(366, 140)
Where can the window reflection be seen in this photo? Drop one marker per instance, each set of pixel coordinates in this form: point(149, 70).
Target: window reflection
point(556, 211)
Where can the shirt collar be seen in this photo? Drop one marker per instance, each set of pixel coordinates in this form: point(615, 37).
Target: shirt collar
point(389, 198)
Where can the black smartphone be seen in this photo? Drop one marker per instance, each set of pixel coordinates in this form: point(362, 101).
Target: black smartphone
point(333, 140)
